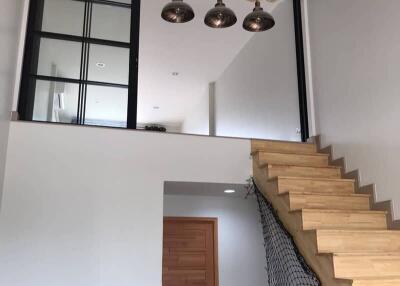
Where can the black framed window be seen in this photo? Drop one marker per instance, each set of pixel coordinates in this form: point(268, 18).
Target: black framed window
point(80, 62)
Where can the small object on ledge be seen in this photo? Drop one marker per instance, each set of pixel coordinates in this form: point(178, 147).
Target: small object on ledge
point(155, 128)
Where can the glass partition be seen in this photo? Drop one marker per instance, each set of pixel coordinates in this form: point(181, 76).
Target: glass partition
point(78, 62)
point(195, 79)
point(84, 65)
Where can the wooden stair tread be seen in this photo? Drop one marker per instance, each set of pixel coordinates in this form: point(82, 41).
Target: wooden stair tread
point(326, 201)
point(290, 170)
point(311, 160)
point(327, 194)
point(383, 254)
point(357, 241)
point(353, 266)
point(265, 165)
point(291, 154)
point(311, 179)
point(376, 281)
point(342, 219)
point(286, 146)
point(342, 211)
point(389, 231)
point(286, 184)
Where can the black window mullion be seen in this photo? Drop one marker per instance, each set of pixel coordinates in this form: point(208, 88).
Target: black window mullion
point(108, 2)
point(77, 81)
point(88, 31)
point(31, 59)
point(82, 68)
point(65, 37)
point(133, 66)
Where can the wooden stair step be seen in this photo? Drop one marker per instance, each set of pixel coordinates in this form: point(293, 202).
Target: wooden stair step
point(377, 282)
point(298, 201)
point(274, 170)
point(283, 146)
point(343, 219)
point(355, 266)
point(310, 160)
point(357, 241)
point(314, 185)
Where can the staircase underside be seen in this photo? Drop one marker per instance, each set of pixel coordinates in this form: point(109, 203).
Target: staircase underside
point(340, 237)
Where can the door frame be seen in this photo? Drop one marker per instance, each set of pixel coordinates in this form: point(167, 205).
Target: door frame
point(214, 222)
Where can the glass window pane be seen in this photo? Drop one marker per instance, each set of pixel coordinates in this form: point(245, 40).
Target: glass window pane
point(55, 101)
point(59, 58)
point(108, 64)
point(111, 23)
point(63, 16)
point(106, 106)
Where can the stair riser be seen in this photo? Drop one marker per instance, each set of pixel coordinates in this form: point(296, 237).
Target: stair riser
point(358, 243)
point(366, 267)
point(301, 201)
point(308, 172)
point(310, 186)
point(292, 159)
point(283, 147)
point(345, 220)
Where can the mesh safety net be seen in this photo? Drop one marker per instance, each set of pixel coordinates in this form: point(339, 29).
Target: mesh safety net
point(285, 265)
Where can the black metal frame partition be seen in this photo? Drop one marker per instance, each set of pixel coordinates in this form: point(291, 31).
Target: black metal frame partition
point(301, 70)
point(31, 57)
point(32, 45)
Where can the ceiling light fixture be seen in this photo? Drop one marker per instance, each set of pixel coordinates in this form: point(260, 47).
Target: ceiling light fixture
point(258, 20)
point(229, 191)
point(220, 16)
point(177, 11)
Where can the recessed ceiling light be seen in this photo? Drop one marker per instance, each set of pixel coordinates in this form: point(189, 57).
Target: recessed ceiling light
point(175, 73)
point(229, 191)
point(101, 65)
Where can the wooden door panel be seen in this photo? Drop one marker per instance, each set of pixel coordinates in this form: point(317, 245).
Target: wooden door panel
point(185, 260)
point(185, 238)
point(189, 252)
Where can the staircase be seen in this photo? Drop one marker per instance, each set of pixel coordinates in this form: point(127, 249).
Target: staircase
point(342, 239)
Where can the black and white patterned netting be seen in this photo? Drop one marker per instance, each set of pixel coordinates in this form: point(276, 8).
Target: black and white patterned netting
point(285, 265)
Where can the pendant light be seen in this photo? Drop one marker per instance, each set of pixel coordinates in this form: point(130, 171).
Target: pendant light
point(177, 11)
point(258, 20)
point(220, 16)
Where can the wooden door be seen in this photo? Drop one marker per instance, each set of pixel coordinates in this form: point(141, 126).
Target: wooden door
point(190, 252)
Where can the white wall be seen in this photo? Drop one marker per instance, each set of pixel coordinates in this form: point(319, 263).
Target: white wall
point(240, 239)
point(197, 118)
point(356, 66)
point(257, 95)
point(10, 18)
point(84, 206)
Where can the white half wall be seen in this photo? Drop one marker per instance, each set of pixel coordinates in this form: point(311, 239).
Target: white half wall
point(241, 251)
point(356, 66)
point(257, 95)
point(84, 206)
point(10, 22)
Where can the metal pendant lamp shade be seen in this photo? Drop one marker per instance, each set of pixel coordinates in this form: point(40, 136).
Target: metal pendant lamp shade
point(177, 11)
point(220, 16)
point(258, 20)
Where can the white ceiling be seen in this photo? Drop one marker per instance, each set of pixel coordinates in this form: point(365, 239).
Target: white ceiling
point(200, 55)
